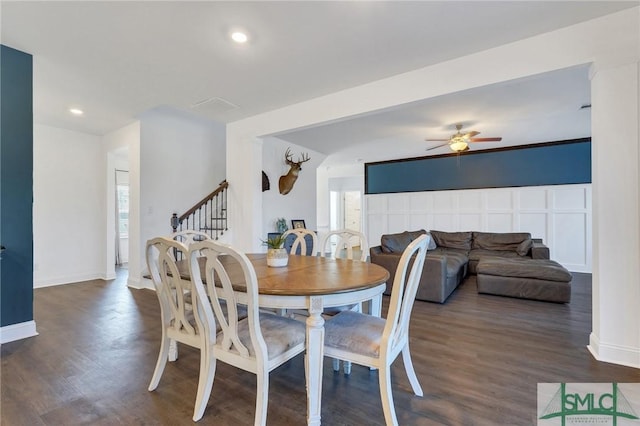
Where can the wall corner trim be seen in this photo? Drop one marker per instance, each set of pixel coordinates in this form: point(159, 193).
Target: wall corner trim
point(616, 354)
point(10, 333)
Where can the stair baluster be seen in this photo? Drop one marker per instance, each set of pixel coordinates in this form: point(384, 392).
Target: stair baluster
point(209, 215)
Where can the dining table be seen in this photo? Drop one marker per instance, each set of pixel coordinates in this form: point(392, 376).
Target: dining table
point(313, 283)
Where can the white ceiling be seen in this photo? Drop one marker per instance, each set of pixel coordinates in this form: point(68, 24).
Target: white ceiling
point(118, 59)
point(542, 108)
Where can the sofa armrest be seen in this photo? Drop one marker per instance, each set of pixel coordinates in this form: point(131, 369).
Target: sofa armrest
point(433, 279)
point(434, 273)
point(539, 250)
point(389, 261)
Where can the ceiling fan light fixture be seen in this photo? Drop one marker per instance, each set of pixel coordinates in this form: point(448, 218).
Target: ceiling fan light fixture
point(459, 144)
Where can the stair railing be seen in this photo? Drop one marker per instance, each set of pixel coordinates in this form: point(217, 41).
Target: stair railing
point(209, 215)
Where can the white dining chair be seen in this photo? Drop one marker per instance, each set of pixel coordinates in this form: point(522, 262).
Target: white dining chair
point(257, 344)
point(179, 323)
point(341, 244)
point(189, 236)
point(376, 342)
point(186, 237)
point(301, 242)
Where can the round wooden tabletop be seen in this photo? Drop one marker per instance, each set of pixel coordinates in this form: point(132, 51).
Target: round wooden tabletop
point(311, 275)
point(304, 275)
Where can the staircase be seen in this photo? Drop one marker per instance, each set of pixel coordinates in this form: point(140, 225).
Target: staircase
point(209, 215)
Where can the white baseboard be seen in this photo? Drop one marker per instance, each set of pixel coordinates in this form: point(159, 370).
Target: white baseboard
point(615, 354)
point(143, 283)
point(22, 330)
point(38, 283)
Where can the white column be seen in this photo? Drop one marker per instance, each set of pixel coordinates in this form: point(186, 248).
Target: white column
point(244, 202)
point(616, 214)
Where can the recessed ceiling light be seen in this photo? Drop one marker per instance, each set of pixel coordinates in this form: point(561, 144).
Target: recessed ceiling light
point(239, 37)
point(76, 111)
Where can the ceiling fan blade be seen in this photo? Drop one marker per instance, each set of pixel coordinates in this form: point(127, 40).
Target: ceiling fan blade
point(437, 140)
point(437, 146)
point(471, 134)
point(485, 139)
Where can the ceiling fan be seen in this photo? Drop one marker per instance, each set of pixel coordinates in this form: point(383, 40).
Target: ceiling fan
point(459, 142)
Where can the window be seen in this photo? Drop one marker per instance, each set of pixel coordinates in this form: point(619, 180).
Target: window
point(123, 210)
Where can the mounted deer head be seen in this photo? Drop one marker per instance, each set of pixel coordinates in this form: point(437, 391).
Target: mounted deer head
point(285, 184)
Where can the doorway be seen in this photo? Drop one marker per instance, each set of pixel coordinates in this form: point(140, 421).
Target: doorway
point(122, 217)
point(346, 210)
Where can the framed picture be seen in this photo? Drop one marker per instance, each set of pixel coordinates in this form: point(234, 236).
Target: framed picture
point(297, 223)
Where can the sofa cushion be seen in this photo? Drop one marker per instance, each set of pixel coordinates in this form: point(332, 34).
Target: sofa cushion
point(455, 240)
point(540, 269)
point(503, 241)
point(397, 243)
point(524, 247)
point(453, 260)
point(477, 254)
point(463, 254)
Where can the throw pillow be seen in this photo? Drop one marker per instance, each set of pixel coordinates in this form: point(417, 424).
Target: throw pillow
point(454, 240)
point(502, 241)
point(524, 247)
point(395, 243)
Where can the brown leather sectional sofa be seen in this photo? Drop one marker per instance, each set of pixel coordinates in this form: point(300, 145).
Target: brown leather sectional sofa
point(452, 255)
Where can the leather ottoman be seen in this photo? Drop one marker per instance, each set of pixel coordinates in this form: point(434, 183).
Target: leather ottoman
point(538, 279)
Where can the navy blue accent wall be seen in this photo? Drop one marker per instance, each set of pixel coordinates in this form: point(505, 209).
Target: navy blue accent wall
point(566, 162)
point(16, 186)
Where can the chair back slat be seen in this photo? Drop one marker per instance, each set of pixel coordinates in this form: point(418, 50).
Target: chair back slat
point(345, 239)
point(188, 237)
point(219, 259)
point(301, 242)
point(403, 294)
point(170, 287)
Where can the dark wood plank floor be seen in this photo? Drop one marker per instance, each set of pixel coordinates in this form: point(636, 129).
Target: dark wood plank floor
point(478, 358)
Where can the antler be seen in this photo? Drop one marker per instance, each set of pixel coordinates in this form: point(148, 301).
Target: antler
point(288, 158)
point(304, 159)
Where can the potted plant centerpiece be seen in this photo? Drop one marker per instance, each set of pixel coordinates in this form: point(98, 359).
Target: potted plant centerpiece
point(277, 255)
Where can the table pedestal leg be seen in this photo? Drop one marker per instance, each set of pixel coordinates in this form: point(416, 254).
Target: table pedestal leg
point(375, 306)
point(313, 359)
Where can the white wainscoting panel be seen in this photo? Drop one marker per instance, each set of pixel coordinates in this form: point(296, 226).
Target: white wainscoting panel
point(499, 222)
point(533, 199)
point(559, 214)
point(535, 223)
point(499, 199)
point(470, 221)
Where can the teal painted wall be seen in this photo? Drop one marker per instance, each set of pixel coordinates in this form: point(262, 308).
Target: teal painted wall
point(16, 186)
point(556, 163)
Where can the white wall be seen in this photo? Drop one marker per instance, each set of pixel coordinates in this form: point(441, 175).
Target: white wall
point(559, 214)
point(300, 203)
point(68, 206)
point(182, 160)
